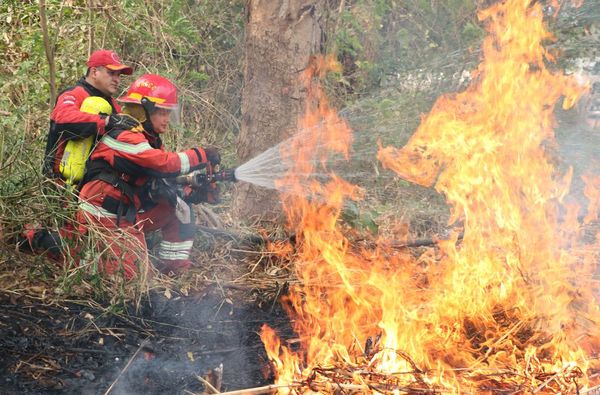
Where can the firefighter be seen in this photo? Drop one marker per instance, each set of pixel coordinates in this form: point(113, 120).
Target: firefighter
point(124, 194)
point(72, 168)
point(68, 121)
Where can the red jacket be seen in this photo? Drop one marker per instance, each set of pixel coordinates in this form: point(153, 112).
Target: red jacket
point(133, 157)
point(68, 122)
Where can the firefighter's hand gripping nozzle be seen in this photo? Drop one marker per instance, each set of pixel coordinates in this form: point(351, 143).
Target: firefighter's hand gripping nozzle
point(198, 179)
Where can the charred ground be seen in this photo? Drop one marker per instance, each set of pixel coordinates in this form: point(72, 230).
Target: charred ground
point(77, 349)
point(55, 343)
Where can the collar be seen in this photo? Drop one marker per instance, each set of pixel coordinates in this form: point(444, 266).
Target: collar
point(153, 138)
point(93, 91)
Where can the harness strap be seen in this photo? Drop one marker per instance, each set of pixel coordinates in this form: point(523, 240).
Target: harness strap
point(101, 170)
point(127, 190)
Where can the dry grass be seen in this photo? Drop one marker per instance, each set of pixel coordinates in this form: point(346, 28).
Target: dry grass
point(223, 261)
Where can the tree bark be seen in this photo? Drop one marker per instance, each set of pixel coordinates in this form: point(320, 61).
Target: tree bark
point(281, 36)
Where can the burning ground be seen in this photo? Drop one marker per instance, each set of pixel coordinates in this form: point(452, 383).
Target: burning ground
point(509, 302)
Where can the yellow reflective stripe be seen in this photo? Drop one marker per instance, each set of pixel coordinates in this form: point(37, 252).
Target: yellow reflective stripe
point(125, 147)
point(138, 96)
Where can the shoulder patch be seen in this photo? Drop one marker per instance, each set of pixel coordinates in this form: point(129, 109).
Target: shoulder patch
point(68, 99)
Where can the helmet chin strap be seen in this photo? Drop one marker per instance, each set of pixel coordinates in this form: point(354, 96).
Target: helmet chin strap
point(149, 108)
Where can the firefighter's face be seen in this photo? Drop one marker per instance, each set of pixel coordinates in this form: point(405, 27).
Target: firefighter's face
point(160, 119)
point(105, 80)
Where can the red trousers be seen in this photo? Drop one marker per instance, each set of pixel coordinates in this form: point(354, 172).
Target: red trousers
point(123, 248)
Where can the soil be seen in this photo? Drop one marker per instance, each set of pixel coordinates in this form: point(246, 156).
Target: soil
point(161, 348)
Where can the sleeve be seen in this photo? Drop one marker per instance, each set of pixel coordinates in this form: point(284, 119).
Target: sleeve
point(134, 155)
point(72, 123)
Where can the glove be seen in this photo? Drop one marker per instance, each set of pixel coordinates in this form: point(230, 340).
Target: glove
point(159, 189)
point(205, 194)
point(213, 195)
point(212, 155)
point(121, 121)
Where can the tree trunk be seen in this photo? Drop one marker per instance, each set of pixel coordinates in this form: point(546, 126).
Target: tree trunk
point(49, 49)
point(281, 36)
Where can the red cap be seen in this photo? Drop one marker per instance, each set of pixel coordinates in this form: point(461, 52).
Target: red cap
point(108, 59)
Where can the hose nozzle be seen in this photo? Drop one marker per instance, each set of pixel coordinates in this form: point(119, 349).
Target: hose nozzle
point(198, 179)
point(225, 175)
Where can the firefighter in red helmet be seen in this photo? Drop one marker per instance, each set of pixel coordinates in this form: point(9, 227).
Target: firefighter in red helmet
point(124, 192)
point(70, 123)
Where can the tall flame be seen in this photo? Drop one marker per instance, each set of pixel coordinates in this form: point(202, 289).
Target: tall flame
point(511, 304)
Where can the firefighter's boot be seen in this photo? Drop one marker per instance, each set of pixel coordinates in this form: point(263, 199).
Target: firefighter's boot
point(40, 241)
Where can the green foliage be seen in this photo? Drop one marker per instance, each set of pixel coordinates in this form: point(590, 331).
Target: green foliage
point(576, 30)
point(360, 219)
point(379, 38)
point(379, 42)
point(398, 57)
point(197, 44)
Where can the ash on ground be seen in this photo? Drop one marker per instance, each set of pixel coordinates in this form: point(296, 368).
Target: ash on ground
point(162, 348)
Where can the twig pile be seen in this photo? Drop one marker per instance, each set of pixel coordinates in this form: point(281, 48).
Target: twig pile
point(363, 376)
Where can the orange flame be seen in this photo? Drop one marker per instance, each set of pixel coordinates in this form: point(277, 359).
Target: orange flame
point(509, 306)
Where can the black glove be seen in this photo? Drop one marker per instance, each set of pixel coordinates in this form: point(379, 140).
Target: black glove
point(121, 121)
point(205, 194)
point(212, 155)
point(159, 189)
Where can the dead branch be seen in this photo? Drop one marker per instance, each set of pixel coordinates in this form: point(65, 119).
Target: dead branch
point(361, 388)
point(126, 366)
point(209, 387)
point(90, 31)
point(209, 216)
point(267, 389)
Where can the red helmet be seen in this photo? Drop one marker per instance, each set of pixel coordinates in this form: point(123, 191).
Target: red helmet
point(155, 88)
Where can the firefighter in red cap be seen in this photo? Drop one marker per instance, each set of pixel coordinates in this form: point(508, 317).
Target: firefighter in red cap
point(68, 122)
point(71, 123)
point(124, 192)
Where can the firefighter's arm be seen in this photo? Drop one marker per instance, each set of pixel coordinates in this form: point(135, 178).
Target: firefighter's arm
point(73, 123)
point(135, 156)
